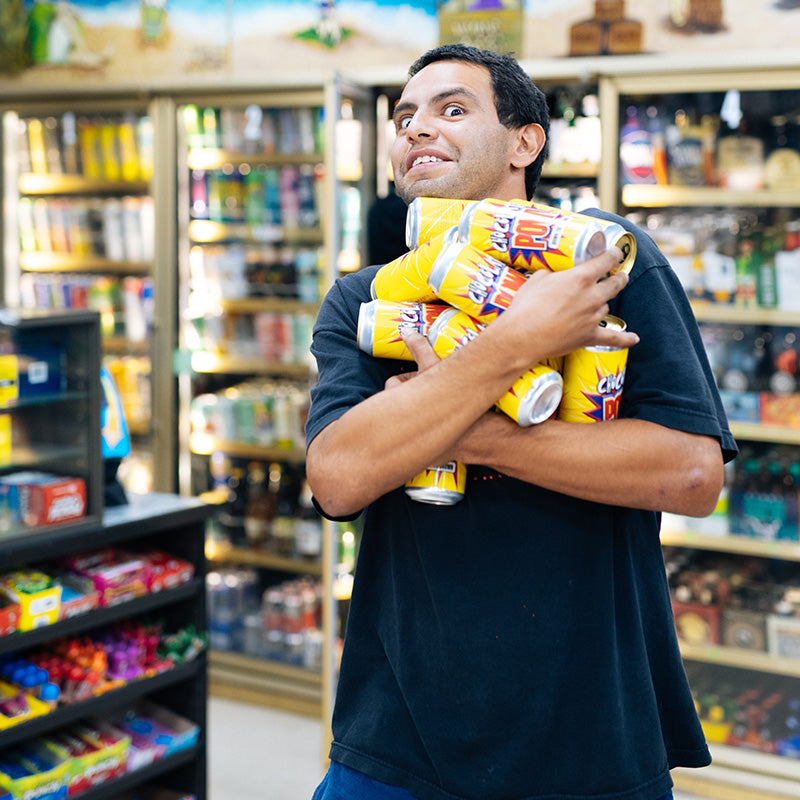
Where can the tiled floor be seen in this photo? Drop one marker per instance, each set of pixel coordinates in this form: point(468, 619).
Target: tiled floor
point(260, 754)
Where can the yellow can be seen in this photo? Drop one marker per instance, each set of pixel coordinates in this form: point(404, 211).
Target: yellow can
point(531, 237)
point(380, 323)
point(441, 486)
point(427, 217)
point(532, 398)
point(406, 278)
point(593, 381)
point(474, 282)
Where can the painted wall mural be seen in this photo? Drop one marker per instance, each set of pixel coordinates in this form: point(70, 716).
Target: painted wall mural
point(127, 41)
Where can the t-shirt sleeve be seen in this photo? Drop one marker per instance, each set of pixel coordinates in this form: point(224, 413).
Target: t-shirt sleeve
point(346, 374)
point(668, 378)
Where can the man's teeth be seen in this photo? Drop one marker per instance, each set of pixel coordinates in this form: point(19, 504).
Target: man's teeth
point(425, 160)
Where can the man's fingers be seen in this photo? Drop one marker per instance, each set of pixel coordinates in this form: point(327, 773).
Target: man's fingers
point(420, 348)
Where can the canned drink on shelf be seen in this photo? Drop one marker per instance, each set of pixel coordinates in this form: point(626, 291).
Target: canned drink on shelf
point(428, 217)
point(532, 398)
point(380, 323)
point(406, 278)
point(441, 486)
point(536, 236)
point(474, 282)
point(593, 380)
point(313, 648)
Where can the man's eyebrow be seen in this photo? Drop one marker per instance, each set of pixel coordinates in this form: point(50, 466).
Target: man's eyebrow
point(457, 91)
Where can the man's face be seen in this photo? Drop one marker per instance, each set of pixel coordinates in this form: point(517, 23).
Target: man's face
point(449, 141)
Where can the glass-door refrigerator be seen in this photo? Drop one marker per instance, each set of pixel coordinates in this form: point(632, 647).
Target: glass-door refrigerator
point(81, 185)
point(266, 221)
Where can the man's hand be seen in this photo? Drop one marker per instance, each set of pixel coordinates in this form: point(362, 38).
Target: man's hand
point(555, 313)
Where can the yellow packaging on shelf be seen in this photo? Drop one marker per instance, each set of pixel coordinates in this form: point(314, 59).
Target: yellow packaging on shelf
point(5, 439)
point(109, 147)
point(9, 379)
point(38, 595)
point(36, 707)
point(45, 783)
point(89, 138)
point(99, 753)
point(127, 147)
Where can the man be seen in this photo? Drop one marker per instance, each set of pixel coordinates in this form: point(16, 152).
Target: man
point(518, 644)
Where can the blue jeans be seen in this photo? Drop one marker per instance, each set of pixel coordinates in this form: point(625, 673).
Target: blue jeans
point(343, 783)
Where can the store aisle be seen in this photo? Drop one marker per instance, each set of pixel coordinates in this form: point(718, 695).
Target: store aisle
point(258, 753)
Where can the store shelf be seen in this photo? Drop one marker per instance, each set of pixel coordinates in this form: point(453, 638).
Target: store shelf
point(203, 231)
point(743, 545)
point(203, 444)
point(225, 554)
point(744, 659)
point(738, 315)
point(120, 344)
point(125, 696)
point(149, 520)
point(203, 361)
point(568, 170)
point(254, 305)
point(33, 184)
point(756, 432)
point(117, 788)
point(740, 757)
point(256, 680)
point(645, 196)
point(100, 617)
point(724, 781)
point(26, 457)
point(216, 159)
point(70, 262)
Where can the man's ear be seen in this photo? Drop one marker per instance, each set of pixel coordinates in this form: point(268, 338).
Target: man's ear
point(530, 142)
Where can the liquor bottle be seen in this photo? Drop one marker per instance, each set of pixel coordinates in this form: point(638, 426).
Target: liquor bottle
point(283, 526)
point(307, 526)
point(766, 279)
point(232, 516)
point(260, 508)
point(636, 151)
point(746, 271)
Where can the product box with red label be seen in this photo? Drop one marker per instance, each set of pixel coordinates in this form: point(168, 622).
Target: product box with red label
point(78, 596)
point(9, 615)
point(98, 753)
point(696, 623)
point(167, 571)
point(53, 500)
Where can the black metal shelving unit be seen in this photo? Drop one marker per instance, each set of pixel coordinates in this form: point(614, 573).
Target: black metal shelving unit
point(59, 431)
point(156, 521)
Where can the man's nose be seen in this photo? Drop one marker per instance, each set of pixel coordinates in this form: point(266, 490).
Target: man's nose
point(420, 125)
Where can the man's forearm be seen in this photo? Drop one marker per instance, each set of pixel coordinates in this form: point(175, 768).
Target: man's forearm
point(390, 437)
point(624, 462)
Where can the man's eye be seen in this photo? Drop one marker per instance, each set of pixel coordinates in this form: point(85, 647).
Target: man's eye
point(402, 123)
point(453, 111)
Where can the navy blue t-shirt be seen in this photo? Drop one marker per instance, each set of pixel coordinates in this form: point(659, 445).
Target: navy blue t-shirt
point(520, 644)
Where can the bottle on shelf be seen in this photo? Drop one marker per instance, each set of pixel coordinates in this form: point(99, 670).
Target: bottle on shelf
point(636, 150)
point(260, 509)
point(232, 515)
point(746, 272)
point(307, 526)
point(283, 526)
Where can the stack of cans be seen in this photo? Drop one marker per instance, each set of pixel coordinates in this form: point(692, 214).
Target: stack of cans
point(468, 260)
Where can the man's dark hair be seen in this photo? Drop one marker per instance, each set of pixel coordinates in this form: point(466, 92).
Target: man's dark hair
point(517, 99)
